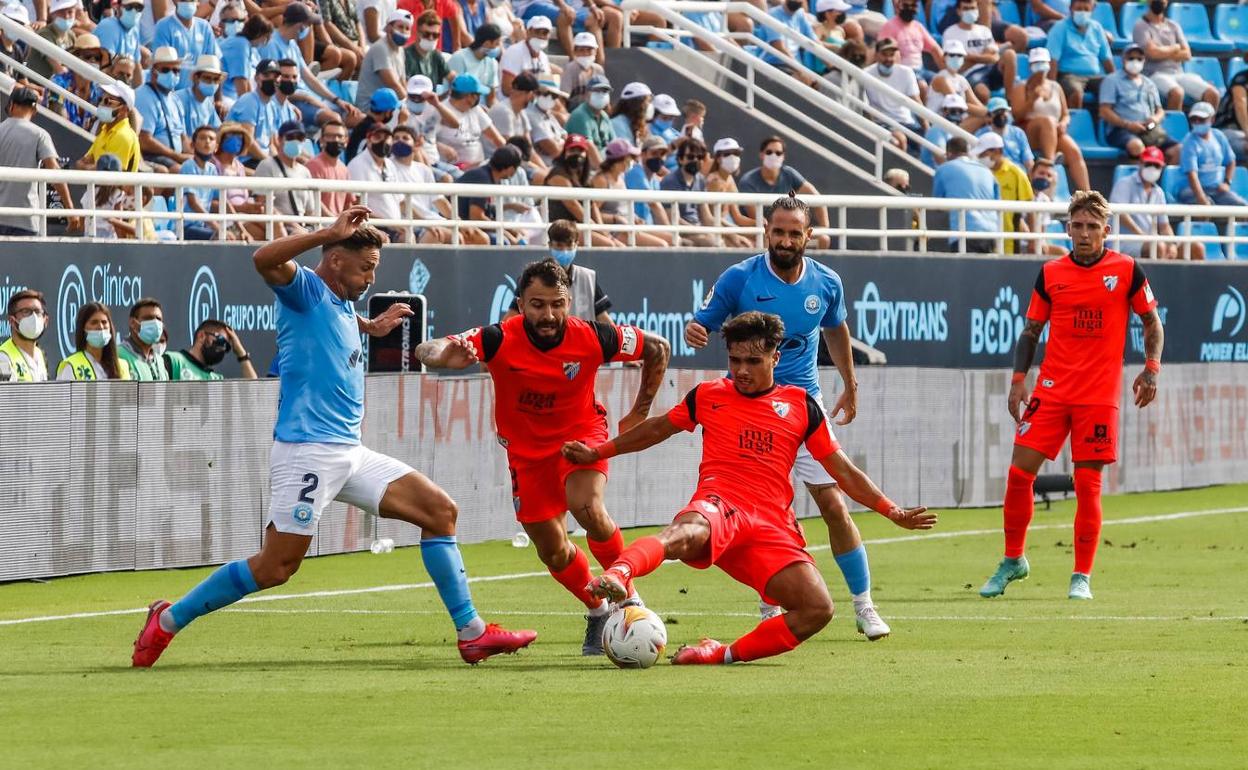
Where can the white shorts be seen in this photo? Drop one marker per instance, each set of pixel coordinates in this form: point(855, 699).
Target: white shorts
point(808, 470)
point(1193, 85)
point(303, 478)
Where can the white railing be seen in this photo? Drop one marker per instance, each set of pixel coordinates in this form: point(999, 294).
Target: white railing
point(930, 213)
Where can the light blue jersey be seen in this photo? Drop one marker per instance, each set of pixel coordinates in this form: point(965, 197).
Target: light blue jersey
point(322, 364)
point(816, 301)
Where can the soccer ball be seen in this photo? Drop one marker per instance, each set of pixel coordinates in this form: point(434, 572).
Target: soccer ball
point(634, 637)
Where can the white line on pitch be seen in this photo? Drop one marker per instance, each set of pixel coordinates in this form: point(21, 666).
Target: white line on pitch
point(521, 575)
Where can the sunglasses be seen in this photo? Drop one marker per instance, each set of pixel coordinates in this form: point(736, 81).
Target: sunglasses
point(163, 70)
point(430, 35)
point(296, 137)
point(735, 153)
point(774, 153)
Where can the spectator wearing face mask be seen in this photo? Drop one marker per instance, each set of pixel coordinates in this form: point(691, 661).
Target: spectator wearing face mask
point(21, 358)
point(617, 158)
point(1142, 187)
point(197, 102)
point(423, 57)
point(528, 55)
point(582, 68)
point(375, 163)
point(1131, 108)
point(114, 134)
point(631, 115)
point(952, 109)
point(1013, 138)
point(904, 82)
point(1044, 185)
point(913, 39)
point(240, 53)
point(1046, 118)
point(1207, 161)
point(663, 124)
point(779, 51)
point(162, 134)
point(17, 50)
point(511, 115)
point(571, 169)
point(1165, 49)
point(1080, 51)
point(62, 17)
point(95, 348)
point(410, 168)
point(234, 139)
point(988, 66)
point(546, 131)
point(384, 64)
point(474, 122)
point(201, 199)
point(725, 165)
point(1013, 183)
point(426, 112)
point(328, 165)
point(646, 174)
point(480, 59)
point(688, 177)
point(591, 119)
point(187, 34)
point(832, 29)
point(119, 33)
point(950, 82)
point(315, 102)
point(140, 348)
point(283, 161)
point(383, 107)
point(211, 341)
point(774, 177)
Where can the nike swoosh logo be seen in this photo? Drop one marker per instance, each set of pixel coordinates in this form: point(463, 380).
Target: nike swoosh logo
point(516, 368)
point(763, 299)
point(717, 406)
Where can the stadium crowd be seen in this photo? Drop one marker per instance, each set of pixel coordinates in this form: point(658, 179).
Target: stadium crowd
point(465, 90)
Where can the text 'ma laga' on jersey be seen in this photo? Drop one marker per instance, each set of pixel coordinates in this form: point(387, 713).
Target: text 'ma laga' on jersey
point(816, 301)
point(1088, 309)
point(544, 392)
point(322, 364)
point(749, 443)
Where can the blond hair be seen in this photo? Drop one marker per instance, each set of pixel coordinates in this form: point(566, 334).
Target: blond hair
point(1090, 201)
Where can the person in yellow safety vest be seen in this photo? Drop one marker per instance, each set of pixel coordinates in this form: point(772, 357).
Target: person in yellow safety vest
point(96, 357)
point(212, 340)
point(21, 359)
point(141, 350)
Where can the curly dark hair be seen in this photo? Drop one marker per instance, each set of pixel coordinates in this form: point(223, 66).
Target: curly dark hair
point(547, 271)
point(765, 328)
point(365, 237)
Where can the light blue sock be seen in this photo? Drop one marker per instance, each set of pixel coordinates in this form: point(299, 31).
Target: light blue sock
point(222, 588)
point(855, 569)
point(446, 566)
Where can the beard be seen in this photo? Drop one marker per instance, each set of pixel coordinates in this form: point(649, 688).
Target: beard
point(785, 259)
point(545, 328)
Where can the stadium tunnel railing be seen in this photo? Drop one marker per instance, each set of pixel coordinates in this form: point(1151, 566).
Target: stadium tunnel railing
point(929, 214)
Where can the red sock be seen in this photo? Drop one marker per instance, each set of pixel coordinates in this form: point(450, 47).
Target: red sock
point(1020, 504)
point(771, 637)
point(1087, 518)
point(575, 577)
point(607, 551)
point(642, 557)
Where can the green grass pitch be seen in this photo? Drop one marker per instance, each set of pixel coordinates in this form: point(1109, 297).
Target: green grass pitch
point(1151, 673)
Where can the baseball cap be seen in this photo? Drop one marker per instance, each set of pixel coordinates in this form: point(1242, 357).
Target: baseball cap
point(267, 67)
point(621, 148)
point(468, 84)
point(988, 141)
point(539, 22)
point(291, 127)
point(419, 85)
point(576, 140)
point(886, 44)
point(727, 144)
point(1133, 48)
point(208, 63)
point(1201, 111)
point(997, 103)
point(384, 99)
point(831, 5)
point(635, 90)
point(524, 82)
point(653, 142)
point(120, 91)
point(1153, 155)
point(954, 47)
point(400, 15)
point(378, 128)
point(953, 102)
point(664, 104)
point(63, 5)
point(598, 83)
point(166, 54)
point(551, 87)
point(298, 13)
point(16, 12)
point(1037, 55)
point(584, 40)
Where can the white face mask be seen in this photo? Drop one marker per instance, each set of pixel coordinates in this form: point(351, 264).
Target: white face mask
point(585, 61)
point(773, 162)
point(546, 103)
point(1150, 174)
point(159, 348)
point(730, 163)
point(649, 112)
point(427, 45)
point(1040, 68)
point(538, 44)
point(31, 327)
point(599, 99)
point(988, 162)
point(955, 62)
point(1133, 66)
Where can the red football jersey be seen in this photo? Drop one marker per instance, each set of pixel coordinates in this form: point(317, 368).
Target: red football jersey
point(749, 443)
point(544, 391)
point(1088, 310)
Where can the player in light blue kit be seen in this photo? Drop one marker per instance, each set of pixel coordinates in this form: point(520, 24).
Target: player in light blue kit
point(808, 297)
point(317, 455)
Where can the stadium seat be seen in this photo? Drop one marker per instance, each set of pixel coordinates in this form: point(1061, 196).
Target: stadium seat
point(1124, 170)
point(1175, 124)
point(1024, 68)
point(1171, 180)
point(1193, 19)
point(1239, 182)
point(1082, 132)
point(1209, 68)
point(1131, 13)
point(1230, 22)
point(1009, 12)
point(1062, 192)
point(1241, 249)
point(1203, 230)
point(1235, 64)
point(1104, 13)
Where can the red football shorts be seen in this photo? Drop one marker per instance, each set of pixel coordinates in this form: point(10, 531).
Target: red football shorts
point(750, 547)
point(1093, 430)
point(539, 488)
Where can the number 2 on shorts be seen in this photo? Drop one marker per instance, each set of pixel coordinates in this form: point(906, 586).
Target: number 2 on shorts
point(305, 494)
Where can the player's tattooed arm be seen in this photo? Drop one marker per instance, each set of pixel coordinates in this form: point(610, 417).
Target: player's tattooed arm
point(653, 431)
point(1028, 341)
point(655, 353)
point(1145, 385)
point(447, 353)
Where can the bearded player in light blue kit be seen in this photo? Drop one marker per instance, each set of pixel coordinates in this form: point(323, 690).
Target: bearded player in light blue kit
point(808, 297)
point(317, 455)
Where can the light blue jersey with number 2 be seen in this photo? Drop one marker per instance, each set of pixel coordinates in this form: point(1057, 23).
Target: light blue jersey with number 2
point(322, 364)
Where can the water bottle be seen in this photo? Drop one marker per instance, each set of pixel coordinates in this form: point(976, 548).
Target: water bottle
point(520, 540)
point(382, 545)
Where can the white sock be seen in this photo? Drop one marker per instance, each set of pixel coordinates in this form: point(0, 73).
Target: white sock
point(473, 630)
point(862, 601)
point(600, 610)
point(166, 621)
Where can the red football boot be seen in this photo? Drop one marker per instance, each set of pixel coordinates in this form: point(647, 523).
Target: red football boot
point(610, 585)
point(153, 639)
point(708, 652)
point(495, 640)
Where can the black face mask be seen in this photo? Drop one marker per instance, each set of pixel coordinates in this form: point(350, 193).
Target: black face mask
point(575, 161)
point(287, 87)
point(793, 6)
point(839, 18)
point(381, 149)
point(1158, 7)
point(691, 167)
point(907, 14)
point(215, 351)
point(332, 149)
point(1002, 120)
point(268, 87)
point(654, 164)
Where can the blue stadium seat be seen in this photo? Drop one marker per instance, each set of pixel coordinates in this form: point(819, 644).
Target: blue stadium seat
point(1131, 13)
point(1082, 132)
point(1239, 182)
point(1230, 22)
point(1024, 68)
point(1175, 124)
point(1241, 249)
point(1209, 68)
point(1124, 170)
point(1062, 193)
point(1203, 230)
point(1058, 227)
point(1104, 13)
point(1009, 12)
point(1171, 180)
point(1235, 64)
point(1193, 19)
